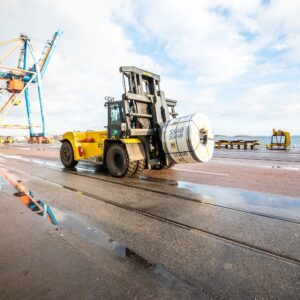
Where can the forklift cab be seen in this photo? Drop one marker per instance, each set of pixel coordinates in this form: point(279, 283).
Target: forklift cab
point(114, 118)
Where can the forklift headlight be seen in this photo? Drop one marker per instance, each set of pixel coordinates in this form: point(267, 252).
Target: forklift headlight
point(123, 127)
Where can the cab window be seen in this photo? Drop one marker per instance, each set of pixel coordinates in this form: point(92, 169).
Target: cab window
point(115, 114)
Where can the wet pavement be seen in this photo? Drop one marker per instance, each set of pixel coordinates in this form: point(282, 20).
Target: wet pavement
point(200, 244)
point(71, 221)
point(38, 262)
point(200, 240)
point(192, 209)
point(95, 235)
point(261, 203)
point(261, 170)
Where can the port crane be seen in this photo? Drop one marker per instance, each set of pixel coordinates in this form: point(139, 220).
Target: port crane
point(18, 79)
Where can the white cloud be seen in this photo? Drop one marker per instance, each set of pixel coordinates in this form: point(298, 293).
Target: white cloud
point(198, 38)
point(265, 106)
point(85, 67)
point(233, 60)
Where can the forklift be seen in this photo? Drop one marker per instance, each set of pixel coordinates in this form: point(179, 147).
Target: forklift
point(137, 124)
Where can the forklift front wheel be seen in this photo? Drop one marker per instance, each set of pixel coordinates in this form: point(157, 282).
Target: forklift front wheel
point(67, 155)
point(116, 160)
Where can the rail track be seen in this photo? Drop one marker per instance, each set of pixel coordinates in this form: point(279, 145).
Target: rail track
point(233, 241)
point(182, 197)
point(90, 173)
point(181, 225)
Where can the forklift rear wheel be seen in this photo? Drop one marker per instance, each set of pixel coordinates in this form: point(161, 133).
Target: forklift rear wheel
point(67, 155)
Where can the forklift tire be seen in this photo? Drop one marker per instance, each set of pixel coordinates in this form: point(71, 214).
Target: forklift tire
point(140, 168)
point(67, 155)
point(117, 162)
point(132, 169)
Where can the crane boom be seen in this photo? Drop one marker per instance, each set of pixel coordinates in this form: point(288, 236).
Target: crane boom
point(48, 52)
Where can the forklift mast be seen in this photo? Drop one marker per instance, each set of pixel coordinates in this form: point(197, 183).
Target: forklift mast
point(142, 112)
point(143, 108)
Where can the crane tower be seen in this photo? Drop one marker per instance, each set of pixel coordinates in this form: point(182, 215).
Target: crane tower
point(19, 78)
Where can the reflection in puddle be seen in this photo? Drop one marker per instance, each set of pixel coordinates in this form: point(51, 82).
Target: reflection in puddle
point(269, 204)
point(91, 233)
point(18, 189)
point(77, 224)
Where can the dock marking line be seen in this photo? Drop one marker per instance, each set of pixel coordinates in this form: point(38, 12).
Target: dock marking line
point(203, 172)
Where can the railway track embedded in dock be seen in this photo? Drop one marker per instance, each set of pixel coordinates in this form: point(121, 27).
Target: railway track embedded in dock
point(233, 241)
point(182, 197)
point(91, 173)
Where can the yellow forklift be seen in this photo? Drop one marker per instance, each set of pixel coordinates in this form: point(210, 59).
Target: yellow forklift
point(143, 131)
point(280, 140)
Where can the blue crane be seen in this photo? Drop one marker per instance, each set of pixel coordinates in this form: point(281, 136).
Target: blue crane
point(19, 78)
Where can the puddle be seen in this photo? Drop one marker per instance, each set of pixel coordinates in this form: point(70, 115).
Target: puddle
point(91, 233)
point(74, 222)
point(268, 204)
point(81, 169)
point(17, 189)
point(5, 186)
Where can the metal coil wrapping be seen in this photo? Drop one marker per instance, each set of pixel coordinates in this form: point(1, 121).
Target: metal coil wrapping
point(188, 139)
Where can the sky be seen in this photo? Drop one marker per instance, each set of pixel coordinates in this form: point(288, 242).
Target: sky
point(235, 61)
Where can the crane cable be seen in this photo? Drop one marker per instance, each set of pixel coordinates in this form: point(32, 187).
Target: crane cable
point(9, 41)
point(11, 50)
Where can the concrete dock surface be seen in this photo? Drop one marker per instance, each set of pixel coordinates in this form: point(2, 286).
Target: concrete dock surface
point(38, 262)
point(184, 233)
